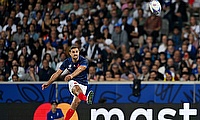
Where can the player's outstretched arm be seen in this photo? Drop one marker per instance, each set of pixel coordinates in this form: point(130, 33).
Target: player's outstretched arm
point(75, 73)
point(52, 79)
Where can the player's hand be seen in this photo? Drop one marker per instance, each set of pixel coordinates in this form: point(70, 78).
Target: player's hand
point(68, 77)
point(45, 85)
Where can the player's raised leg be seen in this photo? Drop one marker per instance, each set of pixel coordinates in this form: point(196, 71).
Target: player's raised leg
point(76, 101)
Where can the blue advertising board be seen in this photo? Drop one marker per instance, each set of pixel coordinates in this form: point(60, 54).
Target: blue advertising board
point(108, 92)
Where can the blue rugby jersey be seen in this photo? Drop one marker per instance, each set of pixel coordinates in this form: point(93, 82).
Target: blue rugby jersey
point(58, 114)
point(71, 67)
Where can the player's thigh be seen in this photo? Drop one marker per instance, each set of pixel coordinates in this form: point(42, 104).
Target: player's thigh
point(75, 87)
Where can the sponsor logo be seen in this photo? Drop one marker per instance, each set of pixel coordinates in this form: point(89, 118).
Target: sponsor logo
point(185, 112)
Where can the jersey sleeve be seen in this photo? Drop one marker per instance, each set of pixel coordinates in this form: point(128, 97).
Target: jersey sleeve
point(64, 65)
point(84, 62)
point(60, 113)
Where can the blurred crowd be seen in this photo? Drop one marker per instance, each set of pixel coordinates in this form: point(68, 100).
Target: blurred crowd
point(121, 39)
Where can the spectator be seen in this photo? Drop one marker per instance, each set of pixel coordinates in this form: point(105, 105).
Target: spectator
point(162, 58)
point(176, 37)
point(92, 74)
point(50, 8)
point(48, 57)
point(45, 72)
point(152, 26)
point(116, 71)
point(185, 76)
point(4, 14)
point(19, 14)
point(141, 18)
point(32, 13)
point(148, 46)
point(169, 76)
point(78, 36)
point(38, 18)
point(92, 31)
point(179, 13)
point(120, 39)
point(185, 32)
point(63, 20)
point(187, 59)
point(177, 58)
point(170, 62)
point(114, 18)
point(86, 15)
point(127, 74)
point(193, 44)
point(59, 51)
point(163, 46)
point(135, 34)
point(32, 33)
point(2, 78)
point(36, 49)
point(3, 49)
point(4, 70)
point(23, 62)
point(25, 51)
point(107, 25)
point(128, 19)
point(55, 41)
point(31, 75)
point(25, 26)
point(76, 10)
point(48, 49)
point(28, 14)
point(106, 33)
point(176, 73)
point(33, 63)
point(66, 6)
point(154, 53)
point(126, 26)
point(192, 77)
point(15, 78)
point(170, 51)
point(135, 55)
point(10, 25)
point(102, 9)
point(15, 71)
point(46, 24)
point(10, 58)
point(62, 58)
point(92, 51)
point(144, 74)
point(152, 76)
point(108, 76)
point(194, 28)
point(159, 75)
point(100, 69)
point(97, 25)
point(19, 35)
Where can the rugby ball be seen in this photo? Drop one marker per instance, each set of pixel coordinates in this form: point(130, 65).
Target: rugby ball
point(155, 7)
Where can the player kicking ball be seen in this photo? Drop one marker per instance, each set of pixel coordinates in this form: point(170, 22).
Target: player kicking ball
point(77, 79)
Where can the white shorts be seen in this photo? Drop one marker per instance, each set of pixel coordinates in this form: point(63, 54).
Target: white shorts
point(72, 83)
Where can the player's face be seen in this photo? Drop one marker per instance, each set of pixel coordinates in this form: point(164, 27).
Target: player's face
point(53, 106)
point(74, 53)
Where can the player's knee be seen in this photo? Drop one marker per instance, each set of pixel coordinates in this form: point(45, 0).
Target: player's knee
point(77, 89)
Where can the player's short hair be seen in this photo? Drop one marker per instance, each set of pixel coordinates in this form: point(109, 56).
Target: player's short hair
point(73, 47)
point(54, 102)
